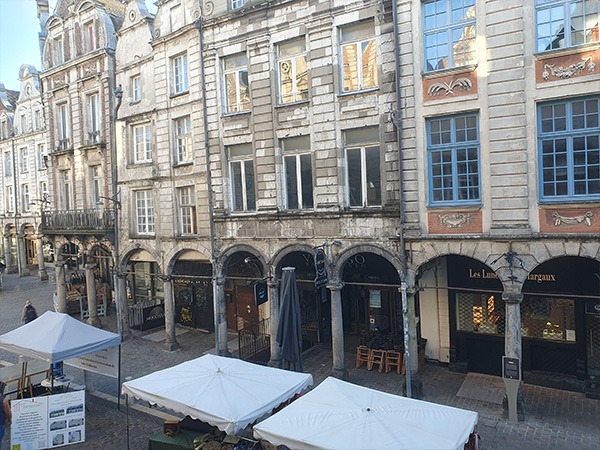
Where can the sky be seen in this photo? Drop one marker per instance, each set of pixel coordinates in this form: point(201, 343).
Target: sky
point(19, 40)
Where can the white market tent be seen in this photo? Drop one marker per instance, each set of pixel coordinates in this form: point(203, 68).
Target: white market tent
point(55, 337)
point(340, 415)
point(224, 392)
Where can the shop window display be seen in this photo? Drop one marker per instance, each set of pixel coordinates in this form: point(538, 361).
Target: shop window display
point(548, 318)
point(480, 313)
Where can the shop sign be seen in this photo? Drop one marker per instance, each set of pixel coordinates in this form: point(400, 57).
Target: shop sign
point(320, 268)
point(260, 292)
point(592, 308)
point(537, 277)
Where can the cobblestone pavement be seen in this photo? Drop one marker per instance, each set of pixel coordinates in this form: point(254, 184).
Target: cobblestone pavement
point(554, 419)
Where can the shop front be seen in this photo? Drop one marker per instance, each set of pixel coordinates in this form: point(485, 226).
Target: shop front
point(145, 294)
point(192, 289)
point(557, 348)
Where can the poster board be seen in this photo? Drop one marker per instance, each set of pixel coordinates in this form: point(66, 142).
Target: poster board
point(48, 421)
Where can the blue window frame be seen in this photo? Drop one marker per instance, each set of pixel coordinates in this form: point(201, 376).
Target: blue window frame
point(568, 150)
point(449, 28)
point(453, 153)
point(553, 17)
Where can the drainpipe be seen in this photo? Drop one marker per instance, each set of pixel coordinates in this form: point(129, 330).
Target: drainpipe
point(213, 243)
point(409, 322)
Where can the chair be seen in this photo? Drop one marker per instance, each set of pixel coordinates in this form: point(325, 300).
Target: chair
point(393, 359)
point(376, 357)
point(362, 355)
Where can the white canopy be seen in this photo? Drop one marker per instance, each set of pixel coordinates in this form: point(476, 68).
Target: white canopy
point(344, 416)
point(224, 392)
point(54, 337)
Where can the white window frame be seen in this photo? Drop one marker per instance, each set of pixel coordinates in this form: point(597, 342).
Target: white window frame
point(359, 36)
point(58, 50)
point(236, 4)
point(89, 36)
point(297, 149)
point(25, 197)
point(24, 159)
point(93, 118)
point(187, 211)
point(136, 88)
point(63, 131)
point(241, 161)
point(41, 153)
point(363, 146)
point(10, 204)
point(95, 185)
point(234, 68)
point(182, 134)
point(288, 60)
point(179, 74)
point(66, 193)
point(144, 212)
point(142, 143)
point(8, 164)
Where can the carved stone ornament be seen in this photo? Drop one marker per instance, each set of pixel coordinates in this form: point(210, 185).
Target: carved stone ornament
point(562, 72)
point(565, 221)
point(58, 82)
point(209, 7)
point(454, 220)
point(89, 70)
point(460, 84)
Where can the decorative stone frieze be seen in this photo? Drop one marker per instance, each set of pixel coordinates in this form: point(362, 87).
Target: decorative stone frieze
point(450, 85)
point(570, 220)
point(454, 222)
point(566, 67)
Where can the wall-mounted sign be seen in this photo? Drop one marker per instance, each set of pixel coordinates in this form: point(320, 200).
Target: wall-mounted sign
point(374, 298)
point(260, 292)
point(320, 268)
point(511, 368)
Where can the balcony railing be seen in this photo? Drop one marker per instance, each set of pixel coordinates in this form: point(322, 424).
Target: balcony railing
point(63, 145)
point(81, 220)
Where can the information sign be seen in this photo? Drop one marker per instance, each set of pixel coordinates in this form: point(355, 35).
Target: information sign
point(511, 368)
point(320, 268)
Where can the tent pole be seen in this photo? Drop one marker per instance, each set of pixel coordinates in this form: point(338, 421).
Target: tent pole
point(127, 405)
point(119, 382)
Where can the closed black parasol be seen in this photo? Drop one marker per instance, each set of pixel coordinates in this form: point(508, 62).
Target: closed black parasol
point(289, 330)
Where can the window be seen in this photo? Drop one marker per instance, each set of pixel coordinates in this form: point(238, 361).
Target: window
point(136, 88)
point(65, 195)
point(58, 51)
point(144, 212)
point(363, 171)
point(480, 313)
point(359, 57)
point(44, 194)
point(24, 127)
point(89, 37)
point(241, 177)
point(25, 201)
point(41, 152)
point(187, 210)
point(93, 118)
point(183, 140)
point(24, 159)
point(453, 152)
point(449, 28)
point(4, 130)
point(179, 74)
point(8, 164)
point(579, 17)
point(235, 84)
point(62, 127)
point(293, 71)
point(10, 199)
point(142, 144)
point(95, 185)
point(297, 171)
point(38, 119)
point(568, 150)
point(235, 4)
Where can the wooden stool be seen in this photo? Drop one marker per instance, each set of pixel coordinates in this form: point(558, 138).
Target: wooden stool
point(362, 355)
point(393, 359)
point(376, 357)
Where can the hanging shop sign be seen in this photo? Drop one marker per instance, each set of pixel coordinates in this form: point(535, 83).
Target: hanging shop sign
point(320, 268)
point(260, 292)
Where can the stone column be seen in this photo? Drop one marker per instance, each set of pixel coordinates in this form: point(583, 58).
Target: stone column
point(337, 330)
point(512, 340)
point(24, 271)
point(275, 360)
point(61, 287)
point(41, 266)
point(171, 342)
point(411, 321)
point(222, 317)
point(122, 293)
point(90, 288)
point(8, 259)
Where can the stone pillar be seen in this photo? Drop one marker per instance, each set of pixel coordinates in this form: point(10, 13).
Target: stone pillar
point(337, 331)
point(124, 308)
point(171, 342)
point(41, 266)
point(61, 286)
point(7, 255)
point(90, 288)
point(222, 318)
point(23, 270)
point(275, 360)
point(512, 341)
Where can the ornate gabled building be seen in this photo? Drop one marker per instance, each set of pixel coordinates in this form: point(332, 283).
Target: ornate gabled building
point(78, 81)
point(24, 176)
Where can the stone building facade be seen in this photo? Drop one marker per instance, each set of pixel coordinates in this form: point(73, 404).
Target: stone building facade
point(24, 176)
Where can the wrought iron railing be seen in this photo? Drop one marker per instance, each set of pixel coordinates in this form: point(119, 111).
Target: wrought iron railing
point(254, 342)
point(78, 220)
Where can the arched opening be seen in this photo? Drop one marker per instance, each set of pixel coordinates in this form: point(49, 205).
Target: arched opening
point(145, 291)
point(243, 269)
